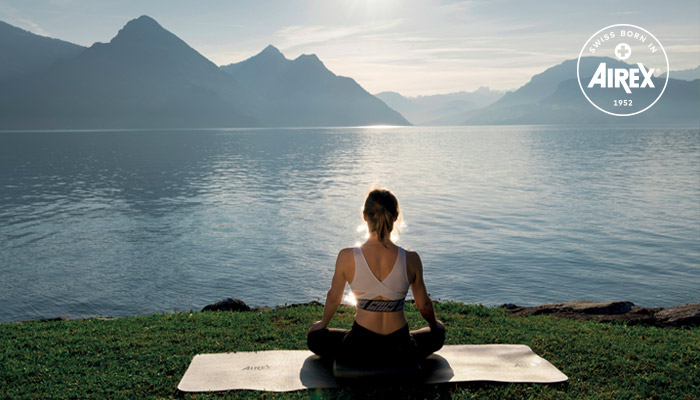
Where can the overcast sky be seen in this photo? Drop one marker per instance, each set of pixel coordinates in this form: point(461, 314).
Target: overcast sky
point(414, 47)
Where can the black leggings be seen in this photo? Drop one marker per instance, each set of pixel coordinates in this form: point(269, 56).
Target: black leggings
point(359, 346)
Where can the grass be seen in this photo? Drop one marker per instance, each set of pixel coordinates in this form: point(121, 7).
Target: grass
point(146, 356)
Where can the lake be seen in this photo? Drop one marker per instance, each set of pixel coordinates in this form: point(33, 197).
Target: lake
point(118, 223)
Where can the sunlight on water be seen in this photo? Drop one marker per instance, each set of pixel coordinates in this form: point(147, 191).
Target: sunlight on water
point(380, 127)
point(125, 223)
point(349, 299)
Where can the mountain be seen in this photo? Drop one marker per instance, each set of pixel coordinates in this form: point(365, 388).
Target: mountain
point(680, 104)
point(554, 97)
point(303, 92)
point(690, 74)
point(24, 53)
point(545, 83)
point(440, 109)
point(145, 77)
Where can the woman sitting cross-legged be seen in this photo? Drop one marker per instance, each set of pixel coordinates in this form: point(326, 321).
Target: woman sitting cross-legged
point(379, 273)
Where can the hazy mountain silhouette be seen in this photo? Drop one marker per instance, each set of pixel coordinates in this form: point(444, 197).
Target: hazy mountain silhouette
point(690, 74)
point(554, 97)
point(439, 109)
point(680, 104)
point(24, 53)
point(146, 77)
point(303, 92)
point(545, 83)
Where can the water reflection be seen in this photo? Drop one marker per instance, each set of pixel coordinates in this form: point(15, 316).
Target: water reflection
point(120, 223)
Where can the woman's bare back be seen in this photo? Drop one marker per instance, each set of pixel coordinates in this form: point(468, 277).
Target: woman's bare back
point(381, 261)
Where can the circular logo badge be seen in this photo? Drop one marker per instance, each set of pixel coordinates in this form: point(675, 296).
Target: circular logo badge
point(622, 70)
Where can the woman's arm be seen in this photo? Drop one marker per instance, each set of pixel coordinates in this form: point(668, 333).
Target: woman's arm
point(335, 293)
point(420, 292)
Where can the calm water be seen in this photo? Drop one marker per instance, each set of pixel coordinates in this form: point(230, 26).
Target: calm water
point(123, 223)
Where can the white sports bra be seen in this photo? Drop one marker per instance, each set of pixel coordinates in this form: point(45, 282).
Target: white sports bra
point(394, 287)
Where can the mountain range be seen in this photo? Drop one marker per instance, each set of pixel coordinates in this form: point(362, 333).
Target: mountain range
point(550, 97)
point(147, 77)
point(554, 97)
point(689, 74)
point(303, 92)
point(439, 109)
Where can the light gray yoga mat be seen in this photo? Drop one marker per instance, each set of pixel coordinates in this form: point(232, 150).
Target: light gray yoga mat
point(287, 370)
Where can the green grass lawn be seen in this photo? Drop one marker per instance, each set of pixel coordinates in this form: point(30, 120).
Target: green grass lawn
point(145, 356)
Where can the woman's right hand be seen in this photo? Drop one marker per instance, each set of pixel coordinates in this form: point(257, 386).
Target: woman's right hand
point(316, 326)
point(438, 325)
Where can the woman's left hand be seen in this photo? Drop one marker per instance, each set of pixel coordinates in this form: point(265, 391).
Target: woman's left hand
point(316, 326)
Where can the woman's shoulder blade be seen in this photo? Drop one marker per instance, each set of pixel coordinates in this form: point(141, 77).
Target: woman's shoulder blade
point(346, 254)
point(411, 255)
point(413, 263)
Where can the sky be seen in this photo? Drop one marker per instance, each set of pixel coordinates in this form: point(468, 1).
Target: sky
point(414, 47)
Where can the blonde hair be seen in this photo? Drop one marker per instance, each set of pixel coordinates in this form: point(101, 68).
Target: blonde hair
point(382, 210)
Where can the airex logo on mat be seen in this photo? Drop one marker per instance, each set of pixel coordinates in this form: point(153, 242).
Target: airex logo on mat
point(622, 70)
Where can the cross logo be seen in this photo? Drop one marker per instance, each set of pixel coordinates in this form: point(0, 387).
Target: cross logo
point(623, 51)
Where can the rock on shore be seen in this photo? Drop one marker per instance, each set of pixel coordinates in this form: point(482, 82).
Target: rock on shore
point(234, 304)
point(230, 304)
point(682, 316)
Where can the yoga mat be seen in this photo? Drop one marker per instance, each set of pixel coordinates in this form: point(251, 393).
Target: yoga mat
point(287, 370)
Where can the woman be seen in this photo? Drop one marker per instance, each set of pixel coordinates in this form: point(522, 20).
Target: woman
point(379, 273)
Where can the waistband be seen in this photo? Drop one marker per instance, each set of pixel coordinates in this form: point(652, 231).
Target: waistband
point(380, 305)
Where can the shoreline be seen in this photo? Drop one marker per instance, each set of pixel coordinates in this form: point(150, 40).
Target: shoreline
point(146, 357)
point(678, 316)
